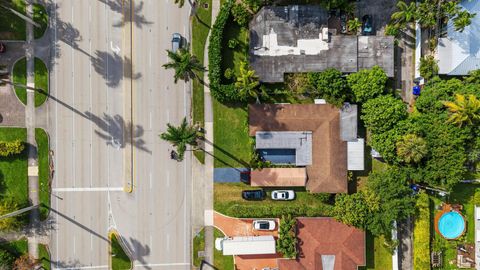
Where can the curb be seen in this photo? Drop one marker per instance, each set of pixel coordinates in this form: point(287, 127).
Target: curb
point(113, 232)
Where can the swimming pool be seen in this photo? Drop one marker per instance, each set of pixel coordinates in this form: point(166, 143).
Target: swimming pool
point(451, 225)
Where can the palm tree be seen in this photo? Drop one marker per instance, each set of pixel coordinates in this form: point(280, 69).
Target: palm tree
point(247, 82)
point(353, 25)
point(184, 64)
point(463, 110)
point(405, 14)
point(462, 20)
point(412, 148)
point(180, 136)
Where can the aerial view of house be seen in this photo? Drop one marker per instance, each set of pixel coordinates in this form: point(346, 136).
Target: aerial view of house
point(240, 134)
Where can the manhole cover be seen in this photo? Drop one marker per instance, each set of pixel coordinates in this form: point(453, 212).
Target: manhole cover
point(205, 5)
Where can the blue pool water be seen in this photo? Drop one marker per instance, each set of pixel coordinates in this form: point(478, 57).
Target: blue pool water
point(278, 156)
point(451, 225)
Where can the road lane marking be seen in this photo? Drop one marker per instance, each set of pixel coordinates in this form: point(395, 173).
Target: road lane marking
point(151, 181)
point(168, 178)
point(84, 267)
point(168, 241)
point(87, 189)
point(159, 264)
point(74, 250)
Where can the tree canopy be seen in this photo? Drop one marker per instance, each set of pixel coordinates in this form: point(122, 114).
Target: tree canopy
point(329, 85)
point(367, 84)
point(382, 113)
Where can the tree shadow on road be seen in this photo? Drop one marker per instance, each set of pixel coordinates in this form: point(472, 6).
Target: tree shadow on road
point(129, 13)
point(138, 251)
point(113, 68)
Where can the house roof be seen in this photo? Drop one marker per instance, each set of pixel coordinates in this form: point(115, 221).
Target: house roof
point(325, 241)
point(301, 141)
point(278, 177)
point(459, 52)
point(328, 172)
point(291, 39)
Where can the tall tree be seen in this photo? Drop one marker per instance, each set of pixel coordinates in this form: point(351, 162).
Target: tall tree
point(367, 83)
point(411, 148)
point(383, 113)
point(405, 14)
point(247, 82)
point(180, 136)
point(463, 110)
point(184, 64)
point(462, 20)
point(329, 85)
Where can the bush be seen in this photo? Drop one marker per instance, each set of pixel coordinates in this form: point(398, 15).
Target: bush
point(241, 15)
point(383, 113)
point(329, 85)
point(476, 197)
point(421, 234)
point(232, 43)
point(223, 93)
point(228, 73)
point(287, 240)
point(6, 259)
point(367, 83)
point(428, 67)
point(11, 148)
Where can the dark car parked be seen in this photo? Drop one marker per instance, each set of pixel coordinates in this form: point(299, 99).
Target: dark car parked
point(253, 195)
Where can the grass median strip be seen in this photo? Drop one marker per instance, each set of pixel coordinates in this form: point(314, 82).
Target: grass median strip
point(119, 259)
point(41, 138)
point(41, 80)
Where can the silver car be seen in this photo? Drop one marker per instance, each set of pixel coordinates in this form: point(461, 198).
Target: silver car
point(176, 42)
point(283, 195)
point(264, 225)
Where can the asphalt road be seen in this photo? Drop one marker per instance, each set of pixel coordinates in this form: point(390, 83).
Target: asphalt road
point(89, 121)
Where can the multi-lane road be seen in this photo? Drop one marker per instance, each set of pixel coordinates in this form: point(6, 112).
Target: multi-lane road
point(93, 106)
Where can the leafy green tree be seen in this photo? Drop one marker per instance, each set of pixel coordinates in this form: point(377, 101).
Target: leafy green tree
point(355, 209)
point(405, 14)
point(473, 77)
point(463, 110)
point(436, 90)
point(329, 85)
point(367, 83)
point(411, 148)
point(247, 82)
point(11, 148)
point(180, 137)
point(287, 241)
point(184, 64)
point(382, 113)
point(462, 20)
point(240, 14)
point(428, 67)
point(353, 25)
point(396, 200)
point(392, 30)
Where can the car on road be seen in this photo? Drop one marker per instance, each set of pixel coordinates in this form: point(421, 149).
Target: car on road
point(253, 195)
point(283, 195)
point(367, 24)
point(264, 225)
point(176, 42)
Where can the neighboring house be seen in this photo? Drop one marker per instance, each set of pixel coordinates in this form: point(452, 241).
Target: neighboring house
point(317, 142)
point(326, 244)
point(292, 39)
point(459, 52)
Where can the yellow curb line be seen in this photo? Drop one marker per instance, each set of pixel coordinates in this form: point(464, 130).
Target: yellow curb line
point(115, 233)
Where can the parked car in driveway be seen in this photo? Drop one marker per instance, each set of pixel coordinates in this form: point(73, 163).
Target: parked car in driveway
point(367, 25)
point(253, 195)
point(176, 42)
point(283, 195)
point(264, 225)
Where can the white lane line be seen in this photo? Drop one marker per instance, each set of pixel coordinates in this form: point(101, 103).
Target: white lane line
point(168, 116)
point(168, 178)
point(150, 120)
point(87, 189)
point(91, 242)
point(84, 267)
point(151, 181)
point(168, 241)
point(74, 249)
point(150, 58)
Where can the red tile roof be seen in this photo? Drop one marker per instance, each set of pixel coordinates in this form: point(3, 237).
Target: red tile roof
point(326, 236)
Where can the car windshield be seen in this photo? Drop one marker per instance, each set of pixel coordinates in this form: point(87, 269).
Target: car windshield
point(263, 225)
point(285, 195)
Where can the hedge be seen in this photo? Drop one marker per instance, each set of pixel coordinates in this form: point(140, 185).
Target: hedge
point(270, 211)
point(223, 93)
point(421, 234)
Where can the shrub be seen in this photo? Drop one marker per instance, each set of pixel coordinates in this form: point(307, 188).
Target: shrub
point(287, 240)
point(232, 43)
point(421, 234)
point(223, 93)
point(329, 85)
point(428, 67)
point(476, 197)
point(367, 83)
point(11, 148)
point(241, 15)
point(6, 259)
point(383, 113)
point(228, 73)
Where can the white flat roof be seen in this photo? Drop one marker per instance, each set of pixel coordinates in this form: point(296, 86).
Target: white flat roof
point(356, 155)
point(249, 245)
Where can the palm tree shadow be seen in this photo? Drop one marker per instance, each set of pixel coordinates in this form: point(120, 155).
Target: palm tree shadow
point(130, 13)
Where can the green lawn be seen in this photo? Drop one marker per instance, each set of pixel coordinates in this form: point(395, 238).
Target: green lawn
point(120, 260)
point(233, 146)
point(41, 80)
point(13, 27)
point(200, 29)
point(378, 255)
point(13, 169)
point(228, 200)
point(231, 58)
point(220, 261)
point(461, 194)
point(44, 256)
point(41, 138)
point(198, 245)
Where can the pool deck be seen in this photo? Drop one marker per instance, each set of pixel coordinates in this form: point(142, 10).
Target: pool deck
point(477, 243)
point(446, 209)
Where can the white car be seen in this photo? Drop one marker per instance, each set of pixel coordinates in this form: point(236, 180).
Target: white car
point(264, 225)
point(283, 195)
